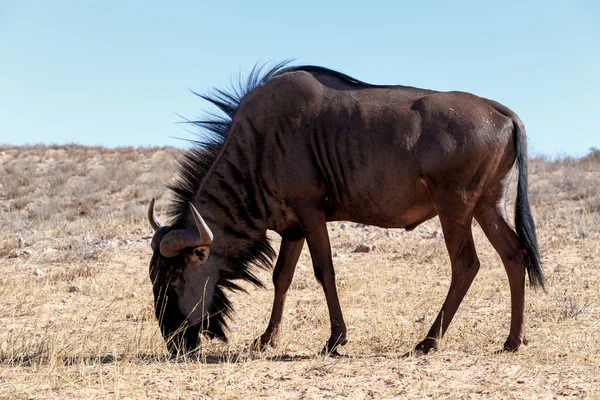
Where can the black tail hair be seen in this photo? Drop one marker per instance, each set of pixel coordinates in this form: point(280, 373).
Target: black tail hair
point(523, 218)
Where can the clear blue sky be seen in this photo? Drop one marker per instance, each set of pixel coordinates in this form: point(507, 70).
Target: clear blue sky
point(117, 73)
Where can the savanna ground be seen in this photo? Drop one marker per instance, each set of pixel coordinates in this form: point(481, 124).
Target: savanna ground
point(76, 317)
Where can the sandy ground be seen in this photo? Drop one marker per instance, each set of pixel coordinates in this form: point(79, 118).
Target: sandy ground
point(77, 321)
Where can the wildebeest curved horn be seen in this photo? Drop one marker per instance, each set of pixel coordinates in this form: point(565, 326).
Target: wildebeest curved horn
point(153, 222)
point(206, 236)
point(178, 239)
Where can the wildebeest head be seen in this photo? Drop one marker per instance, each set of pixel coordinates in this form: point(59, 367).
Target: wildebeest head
point(184, 278)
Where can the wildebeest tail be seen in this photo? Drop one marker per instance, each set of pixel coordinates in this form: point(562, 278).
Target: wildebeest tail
point(523, 219)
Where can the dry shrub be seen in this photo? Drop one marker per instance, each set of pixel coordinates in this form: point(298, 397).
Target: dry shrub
point(8, 244)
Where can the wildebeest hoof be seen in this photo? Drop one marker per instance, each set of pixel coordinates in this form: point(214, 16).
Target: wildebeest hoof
point(512, 344)
point(332, 346)
point(261, 343)
point(333, 353)
point(325, 351)
point(423, 348)
point(258, 345)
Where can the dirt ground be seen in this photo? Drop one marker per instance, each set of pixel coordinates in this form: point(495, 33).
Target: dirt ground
point(77, 321)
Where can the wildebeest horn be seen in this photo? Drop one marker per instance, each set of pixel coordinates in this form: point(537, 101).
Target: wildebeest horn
point(153, 222)
point(206, 236)
point(178, 239)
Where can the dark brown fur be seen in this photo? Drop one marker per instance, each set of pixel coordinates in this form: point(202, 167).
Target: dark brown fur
point(310, 145)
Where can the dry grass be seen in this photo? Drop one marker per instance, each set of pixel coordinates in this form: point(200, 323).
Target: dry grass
point(76, 304)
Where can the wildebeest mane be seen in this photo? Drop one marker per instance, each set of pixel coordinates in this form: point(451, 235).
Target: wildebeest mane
point(194, 164)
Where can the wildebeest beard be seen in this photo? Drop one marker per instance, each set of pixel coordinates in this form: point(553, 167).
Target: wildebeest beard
point(176, 330)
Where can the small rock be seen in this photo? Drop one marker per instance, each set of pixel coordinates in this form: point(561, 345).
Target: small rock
point(38, 272)
point(432, 235)
point(130, 316)
point(343, 227)
point(18, 253)
point(301, 266)
point(133, 294)
point(363, 248)
point(89, 255)
point(73, 288)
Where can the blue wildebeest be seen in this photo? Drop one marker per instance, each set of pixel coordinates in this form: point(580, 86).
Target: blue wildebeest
point(300, 146)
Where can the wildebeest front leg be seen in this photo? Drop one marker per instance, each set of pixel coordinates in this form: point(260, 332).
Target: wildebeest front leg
point(289, 253)
point(314, 225)
point(465, 264)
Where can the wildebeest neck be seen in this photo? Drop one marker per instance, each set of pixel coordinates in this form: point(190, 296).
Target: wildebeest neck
point(231, 198)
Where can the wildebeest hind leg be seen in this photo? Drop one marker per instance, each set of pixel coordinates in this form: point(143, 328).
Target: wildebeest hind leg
point(456, 225)
point(289, 252)
point(505, 241)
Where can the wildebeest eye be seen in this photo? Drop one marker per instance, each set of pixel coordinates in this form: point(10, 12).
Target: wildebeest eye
point(199, 253)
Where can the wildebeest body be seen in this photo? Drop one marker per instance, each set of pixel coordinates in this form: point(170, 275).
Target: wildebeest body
point(374, 154)
point(307, 145)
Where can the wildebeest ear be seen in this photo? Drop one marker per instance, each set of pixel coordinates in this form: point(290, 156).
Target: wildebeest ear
point(202, 252)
